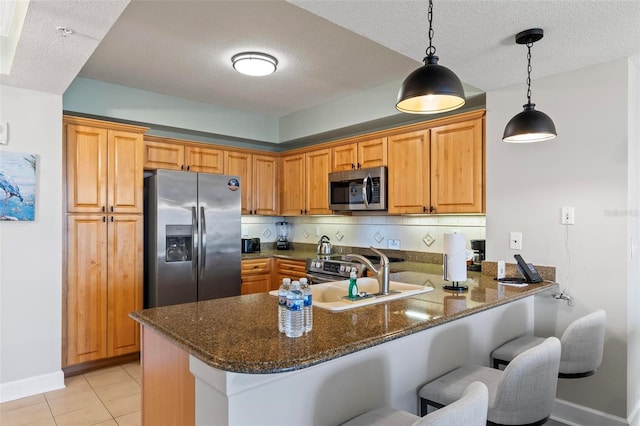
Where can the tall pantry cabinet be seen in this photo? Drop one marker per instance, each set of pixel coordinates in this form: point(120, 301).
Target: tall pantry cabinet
point(104, 239)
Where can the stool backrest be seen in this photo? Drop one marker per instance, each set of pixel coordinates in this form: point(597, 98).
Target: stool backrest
point(469, 410)
point(527, 390)
point(583, 343)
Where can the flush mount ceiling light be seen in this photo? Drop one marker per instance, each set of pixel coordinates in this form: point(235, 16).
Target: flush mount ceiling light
point(254, 63)
point(529, 125)
point(431, 88)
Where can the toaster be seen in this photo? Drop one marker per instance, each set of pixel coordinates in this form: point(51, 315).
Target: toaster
point(250, 245)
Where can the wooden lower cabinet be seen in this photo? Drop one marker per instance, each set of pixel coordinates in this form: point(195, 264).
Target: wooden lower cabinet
point(168, 387)
point(104, 284)
point(287, 268)
point(255, 275)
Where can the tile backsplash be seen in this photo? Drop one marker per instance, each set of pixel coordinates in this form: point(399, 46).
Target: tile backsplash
point(411, 233)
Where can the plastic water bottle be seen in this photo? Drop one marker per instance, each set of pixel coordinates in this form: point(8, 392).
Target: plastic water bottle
point(308, 302)
point(294, 325)
point(282, 303)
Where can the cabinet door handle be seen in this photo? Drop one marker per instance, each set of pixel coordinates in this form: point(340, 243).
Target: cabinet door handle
point(432, 209)
point(301, 212)
point(353, 166)
point(424, 209)
point(188, 168)
point(358, 165)
point(111, 219)
point(104, 219)
point(104, 209)
point(182, 167)
point(111, 209)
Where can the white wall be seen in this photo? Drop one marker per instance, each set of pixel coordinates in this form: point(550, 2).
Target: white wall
point(31, 252)
point(584, 167)
point(633, 387)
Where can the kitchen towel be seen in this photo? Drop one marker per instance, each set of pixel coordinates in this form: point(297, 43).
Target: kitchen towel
point(455, 258)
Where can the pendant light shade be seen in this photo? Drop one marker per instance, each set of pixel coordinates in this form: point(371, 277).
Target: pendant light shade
point(530, 125)
point(432, 88)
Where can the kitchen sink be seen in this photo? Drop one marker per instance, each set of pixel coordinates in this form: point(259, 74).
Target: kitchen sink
point(331, 295)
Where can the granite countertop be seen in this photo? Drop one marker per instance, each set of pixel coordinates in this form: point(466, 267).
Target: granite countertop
point(240, 334)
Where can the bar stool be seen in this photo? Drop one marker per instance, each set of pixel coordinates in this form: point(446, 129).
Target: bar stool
point(523, 394)
point(582, 346)
point(469, 410)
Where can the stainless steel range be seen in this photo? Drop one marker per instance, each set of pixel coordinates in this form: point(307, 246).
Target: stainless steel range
point(324, 270)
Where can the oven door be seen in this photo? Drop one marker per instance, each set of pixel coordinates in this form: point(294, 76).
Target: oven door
point(316, 278)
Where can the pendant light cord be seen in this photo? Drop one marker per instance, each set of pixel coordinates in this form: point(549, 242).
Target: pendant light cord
point(431, 50)
point(529, 44)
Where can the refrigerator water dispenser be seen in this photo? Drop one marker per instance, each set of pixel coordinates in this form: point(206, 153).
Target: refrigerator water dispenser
point(179, 243)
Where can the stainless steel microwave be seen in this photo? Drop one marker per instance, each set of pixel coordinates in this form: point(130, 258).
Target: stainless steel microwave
point(357, 190)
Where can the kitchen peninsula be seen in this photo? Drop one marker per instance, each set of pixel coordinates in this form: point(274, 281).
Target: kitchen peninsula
point(246, 372)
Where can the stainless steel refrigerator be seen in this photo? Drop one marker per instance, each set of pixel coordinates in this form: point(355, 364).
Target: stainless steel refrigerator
point(192, 237)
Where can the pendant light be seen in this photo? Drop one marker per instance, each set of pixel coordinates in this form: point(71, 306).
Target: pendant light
point(529, 125)
point(431, 88)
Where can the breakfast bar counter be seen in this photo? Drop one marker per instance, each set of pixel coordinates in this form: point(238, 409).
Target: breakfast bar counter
point(350, 362)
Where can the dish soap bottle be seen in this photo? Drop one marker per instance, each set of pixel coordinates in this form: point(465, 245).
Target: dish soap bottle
point(353, 286)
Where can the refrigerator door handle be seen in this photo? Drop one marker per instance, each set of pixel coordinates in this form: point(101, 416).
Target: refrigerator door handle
point(194, 239)
point(203, 242)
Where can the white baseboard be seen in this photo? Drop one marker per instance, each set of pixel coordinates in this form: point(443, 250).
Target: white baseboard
point(578, 415)
point(31, 386)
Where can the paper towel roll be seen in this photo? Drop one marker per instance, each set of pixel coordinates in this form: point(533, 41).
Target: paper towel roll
point(455, 258)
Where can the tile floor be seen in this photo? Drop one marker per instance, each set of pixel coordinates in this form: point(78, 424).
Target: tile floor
point(107, 397)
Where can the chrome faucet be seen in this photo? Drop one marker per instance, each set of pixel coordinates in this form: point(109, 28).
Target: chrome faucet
point(381, 272)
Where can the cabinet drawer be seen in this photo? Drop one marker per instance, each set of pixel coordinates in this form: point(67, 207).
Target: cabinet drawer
point(291, 266)
point(255, 266)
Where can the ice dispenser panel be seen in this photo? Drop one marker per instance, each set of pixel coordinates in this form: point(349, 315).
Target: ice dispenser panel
point(179, 243)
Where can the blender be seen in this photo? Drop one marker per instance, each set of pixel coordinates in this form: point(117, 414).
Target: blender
point(283, 231)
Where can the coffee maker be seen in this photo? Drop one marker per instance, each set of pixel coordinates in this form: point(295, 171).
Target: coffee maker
point(478, 255)
point(283, 232)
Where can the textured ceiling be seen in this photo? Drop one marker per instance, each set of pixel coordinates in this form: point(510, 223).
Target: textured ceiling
point(327, 49)
point(48, 62)
point(184, 49)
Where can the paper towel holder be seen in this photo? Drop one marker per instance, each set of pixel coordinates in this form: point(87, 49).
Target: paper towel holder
point(456, 284)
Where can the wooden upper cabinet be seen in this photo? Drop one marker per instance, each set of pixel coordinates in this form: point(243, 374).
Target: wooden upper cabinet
point(457, 167)
point(240, 164)
point(345, 157)
point(162, 155)
point(178, 156)
point(265, 185)
point(125, 177)
point(104, 170)
point(317, 168)
point(205, 160)
point(408, 173)
point(86, 169)
point(360, 155)
point(292, 198)
point(372, 153)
